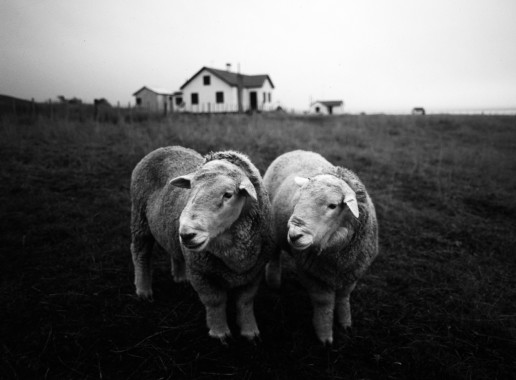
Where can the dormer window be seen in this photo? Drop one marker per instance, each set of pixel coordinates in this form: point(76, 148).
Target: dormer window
point(206, 80)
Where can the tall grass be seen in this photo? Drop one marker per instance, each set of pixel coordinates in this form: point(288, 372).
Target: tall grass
point(438, 302)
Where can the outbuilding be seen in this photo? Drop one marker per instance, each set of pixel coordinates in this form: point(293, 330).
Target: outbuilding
point(158, 99)
point(327, 107)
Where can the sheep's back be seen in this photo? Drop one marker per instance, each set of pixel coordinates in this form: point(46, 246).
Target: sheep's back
point(160, 166)
point(154, 202)
point(296, 163)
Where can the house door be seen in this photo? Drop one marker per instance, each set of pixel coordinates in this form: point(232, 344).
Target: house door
point(253, 101)
point(330, 110)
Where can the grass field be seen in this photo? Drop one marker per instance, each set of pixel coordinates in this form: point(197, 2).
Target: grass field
point(439, 302)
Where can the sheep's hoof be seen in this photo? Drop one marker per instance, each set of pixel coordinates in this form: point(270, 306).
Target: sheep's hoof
point(145, 295)
point(224, 337)
point(252, 336)
point(326, 341)
point(345, 322)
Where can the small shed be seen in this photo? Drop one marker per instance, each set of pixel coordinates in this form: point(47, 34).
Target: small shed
point(327, 107)
point(418, 111)
point(157, 99)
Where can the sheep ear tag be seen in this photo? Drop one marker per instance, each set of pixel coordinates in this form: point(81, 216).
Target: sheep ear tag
point(351, 201)
point(301, 181)
point(248, 187)
point(182, 181)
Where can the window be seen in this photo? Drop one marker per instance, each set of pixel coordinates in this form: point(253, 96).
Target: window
point(206, 80)
point(317, 109)
point(270, 97)
point(264, 97)
point(195, 98)
point(138, 101)
point(179, 100)
point(219, 96)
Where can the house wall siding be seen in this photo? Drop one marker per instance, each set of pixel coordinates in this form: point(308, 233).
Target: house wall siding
point(152, 101)
point(262, 106)
point(207, 95)
point(323, 110)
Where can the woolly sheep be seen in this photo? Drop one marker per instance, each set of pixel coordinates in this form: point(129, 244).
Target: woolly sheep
point(325, 220)
point(212, 215)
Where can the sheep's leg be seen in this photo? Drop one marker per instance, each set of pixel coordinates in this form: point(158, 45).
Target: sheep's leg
point(178, 269)
point(245, 310)
point(214, 300)
point(141, 250)
point(343, 307)
point(323, 302)
point(273, 270)
point(215, 304)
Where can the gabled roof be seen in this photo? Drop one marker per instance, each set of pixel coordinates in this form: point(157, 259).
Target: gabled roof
point(248, 81)
point(156, 90)
point(329, 103)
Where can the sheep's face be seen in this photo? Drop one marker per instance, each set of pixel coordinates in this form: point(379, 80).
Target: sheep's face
point(320, 213)
point(219, 192)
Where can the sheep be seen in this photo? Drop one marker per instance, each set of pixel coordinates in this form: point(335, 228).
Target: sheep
point(212, 215)
point(324, 219)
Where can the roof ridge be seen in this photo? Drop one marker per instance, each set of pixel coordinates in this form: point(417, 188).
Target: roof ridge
point(232, 78)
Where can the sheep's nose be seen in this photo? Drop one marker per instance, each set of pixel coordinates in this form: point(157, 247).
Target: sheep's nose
point(188, 237)
point(294, 238)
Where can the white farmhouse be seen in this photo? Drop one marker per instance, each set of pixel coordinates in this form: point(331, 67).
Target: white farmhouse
point(327, 107)
point(213, 90)
point(158, 99)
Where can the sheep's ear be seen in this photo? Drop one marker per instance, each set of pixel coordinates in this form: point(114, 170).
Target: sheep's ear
point(182, 181)
point(247, 186)
point(351, 201)
point(301, 181)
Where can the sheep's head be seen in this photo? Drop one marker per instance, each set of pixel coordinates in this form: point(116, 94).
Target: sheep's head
point(322, 212)
point(219, 192)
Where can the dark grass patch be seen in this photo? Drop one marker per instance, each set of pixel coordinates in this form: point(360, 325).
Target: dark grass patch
point(438, 303)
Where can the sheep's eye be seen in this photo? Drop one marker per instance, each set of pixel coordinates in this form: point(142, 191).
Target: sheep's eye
point(228, 195)
point(332, 206)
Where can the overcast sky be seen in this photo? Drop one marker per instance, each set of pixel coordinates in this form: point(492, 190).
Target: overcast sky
point(376, 55)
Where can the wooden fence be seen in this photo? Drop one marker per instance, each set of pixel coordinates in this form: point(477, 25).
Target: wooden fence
point(19, 109)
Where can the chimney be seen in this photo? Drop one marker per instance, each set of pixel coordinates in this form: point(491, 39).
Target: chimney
point(228, 66)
